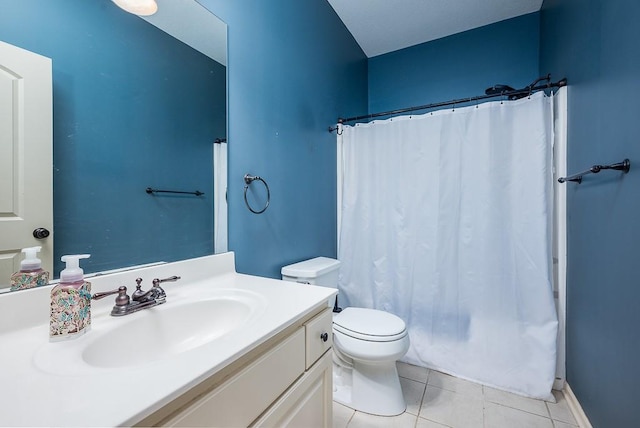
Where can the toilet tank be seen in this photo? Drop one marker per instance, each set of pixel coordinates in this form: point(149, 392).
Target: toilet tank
point(321, 271)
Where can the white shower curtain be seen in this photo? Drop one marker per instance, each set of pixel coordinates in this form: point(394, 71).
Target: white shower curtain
point(220, 197)
point(445, 220)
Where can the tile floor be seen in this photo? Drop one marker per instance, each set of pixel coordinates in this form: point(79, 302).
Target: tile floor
point(436, 400)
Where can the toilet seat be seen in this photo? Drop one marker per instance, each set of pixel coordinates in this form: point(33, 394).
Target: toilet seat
point(369, 324)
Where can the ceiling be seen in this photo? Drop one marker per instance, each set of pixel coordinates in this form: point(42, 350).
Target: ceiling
point(379, 26)
point(382, 26)
point(194, 25)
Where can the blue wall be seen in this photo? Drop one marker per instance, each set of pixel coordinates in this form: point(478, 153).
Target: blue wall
point(128, 114)
point(595, 45)
point(459, 66)
point(293, 69)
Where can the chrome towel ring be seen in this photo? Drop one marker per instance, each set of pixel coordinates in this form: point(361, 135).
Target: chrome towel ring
point(248, 179)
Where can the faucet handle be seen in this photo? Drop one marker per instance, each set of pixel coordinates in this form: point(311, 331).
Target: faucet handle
point(160, 294)
point(156, 281)
point(139, 294)
point(121, 300)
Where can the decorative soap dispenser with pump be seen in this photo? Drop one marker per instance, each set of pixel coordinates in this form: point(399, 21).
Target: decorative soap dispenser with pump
point(70, 301)
point(31, 273)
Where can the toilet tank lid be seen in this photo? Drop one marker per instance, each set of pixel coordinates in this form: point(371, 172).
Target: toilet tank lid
point(311, 268)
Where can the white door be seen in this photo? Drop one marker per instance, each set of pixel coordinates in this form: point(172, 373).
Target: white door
point(26, 147)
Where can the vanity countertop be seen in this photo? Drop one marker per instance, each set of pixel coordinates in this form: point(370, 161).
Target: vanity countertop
point(50, 384)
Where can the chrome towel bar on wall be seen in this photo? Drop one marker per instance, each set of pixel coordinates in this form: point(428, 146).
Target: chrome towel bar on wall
point(151, 191)
point(623, 166)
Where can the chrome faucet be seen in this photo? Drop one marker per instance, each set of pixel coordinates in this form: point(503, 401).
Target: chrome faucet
point(140, 299)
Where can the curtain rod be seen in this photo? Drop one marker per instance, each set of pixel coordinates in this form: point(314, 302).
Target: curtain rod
point(495, 91)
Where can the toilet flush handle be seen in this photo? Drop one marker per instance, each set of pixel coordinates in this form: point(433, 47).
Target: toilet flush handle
point(324, 336)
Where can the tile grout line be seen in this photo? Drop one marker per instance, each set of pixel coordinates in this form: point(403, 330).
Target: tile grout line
point(351, 418)
point(484, 413)
point(546, 405)
point(424, 393)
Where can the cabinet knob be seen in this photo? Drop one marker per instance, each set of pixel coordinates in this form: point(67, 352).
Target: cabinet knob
point(324, 336)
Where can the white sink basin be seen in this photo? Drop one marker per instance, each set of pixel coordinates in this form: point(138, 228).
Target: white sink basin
point(158, 334)
point(153, 334)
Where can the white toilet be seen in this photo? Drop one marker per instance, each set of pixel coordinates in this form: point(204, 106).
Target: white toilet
point(367, 343)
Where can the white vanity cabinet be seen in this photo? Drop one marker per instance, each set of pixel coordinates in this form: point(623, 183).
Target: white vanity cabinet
point(285, 382)
point(308, 403)
point(264, 363)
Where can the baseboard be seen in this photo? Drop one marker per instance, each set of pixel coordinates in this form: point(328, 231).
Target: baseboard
point(575, 407)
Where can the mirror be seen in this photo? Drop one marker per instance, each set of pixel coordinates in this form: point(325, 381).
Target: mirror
point(133, 108)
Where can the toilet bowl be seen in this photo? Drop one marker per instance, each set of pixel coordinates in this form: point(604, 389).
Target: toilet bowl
point(367, 343)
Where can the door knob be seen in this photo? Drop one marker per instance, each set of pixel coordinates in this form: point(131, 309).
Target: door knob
point(40, 233)
point(324, 337)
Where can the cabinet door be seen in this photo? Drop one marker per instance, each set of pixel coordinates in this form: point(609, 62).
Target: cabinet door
point(308, 403)
point(319, 336)
point(242, 398)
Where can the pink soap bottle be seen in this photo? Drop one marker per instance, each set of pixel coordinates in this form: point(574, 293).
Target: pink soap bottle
point(31, 273)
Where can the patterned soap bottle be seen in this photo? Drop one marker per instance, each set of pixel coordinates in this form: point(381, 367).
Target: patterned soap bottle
point(70, 301)
point(31, 273)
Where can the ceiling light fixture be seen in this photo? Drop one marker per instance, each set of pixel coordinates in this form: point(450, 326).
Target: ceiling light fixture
point(138, 7)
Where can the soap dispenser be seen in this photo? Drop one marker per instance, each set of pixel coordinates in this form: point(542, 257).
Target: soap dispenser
point(70, 301)
point(31, 273)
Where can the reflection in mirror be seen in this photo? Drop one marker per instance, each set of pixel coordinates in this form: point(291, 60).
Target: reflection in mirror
point(133, 107)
